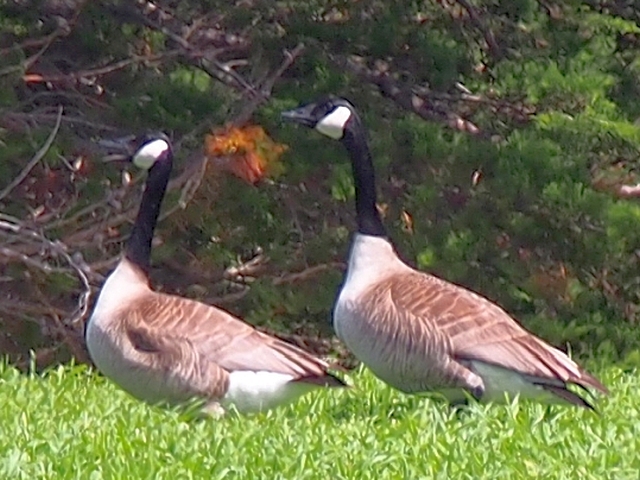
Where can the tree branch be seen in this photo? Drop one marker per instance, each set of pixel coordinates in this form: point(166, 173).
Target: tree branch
point(112, 67)
point(489, 37)
point(36, 158)
point(10, 224)
point(405, 95)
point(267, 86)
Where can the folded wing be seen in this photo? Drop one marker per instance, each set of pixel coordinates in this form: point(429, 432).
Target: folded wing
point(215, 336)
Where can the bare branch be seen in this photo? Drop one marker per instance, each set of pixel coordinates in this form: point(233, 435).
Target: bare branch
point(27, 310)
point(33, 43)
point(13, 118)
point(308, 273)
point(115, 66)
point(406, 96)
point(190, 184)
point(247, 271)
point(489, 37)
point(228, 298)
point(253, 267)
point(205, 61)
point(9, 224)
point(12, 254)
point(36, 158)
point(64, 29)
point(45, 43)
point(267, 86)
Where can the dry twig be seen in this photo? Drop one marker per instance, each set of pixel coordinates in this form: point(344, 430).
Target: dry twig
point(13, 225)
point(489, 37)
point(119, 65)
point(406, 96)
point(308, 273)
point(36, 158)
point(267, 86)
point(64, 29)
point(14, 118)
point(207, 61)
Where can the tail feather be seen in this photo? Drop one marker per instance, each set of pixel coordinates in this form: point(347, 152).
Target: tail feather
point(563, 367)
point(328, 380)
point(588, 380)
point(565, 394)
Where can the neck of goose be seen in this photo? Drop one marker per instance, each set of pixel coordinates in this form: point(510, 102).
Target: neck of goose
point(138, 250)
point(367, 215)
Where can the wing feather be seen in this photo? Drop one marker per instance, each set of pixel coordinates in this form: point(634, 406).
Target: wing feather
point(226, 341)
point(184, 370)
point(477, 329)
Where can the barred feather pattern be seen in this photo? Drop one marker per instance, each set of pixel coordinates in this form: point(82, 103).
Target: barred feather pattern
point(166, 348)
point(420, 333)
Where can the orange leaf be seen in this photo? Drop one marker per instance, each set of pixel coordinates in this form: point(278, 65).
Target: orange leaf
point(248, 152)
point(250, 167)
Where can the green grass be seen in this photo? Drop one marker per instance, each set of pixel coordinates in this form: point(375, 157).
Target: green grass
point(70, 423)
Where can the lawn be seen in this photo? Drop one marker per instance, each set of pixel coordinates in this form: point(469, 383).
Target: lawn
point(71, 423)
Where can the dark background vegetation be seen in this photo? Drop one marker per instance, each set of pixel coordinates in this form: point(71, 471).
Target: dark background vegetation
point(505, 136)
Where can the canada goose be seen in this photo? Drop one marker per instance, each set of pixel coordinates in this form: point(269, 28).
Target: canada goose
point(417, 332)
point(168, 349)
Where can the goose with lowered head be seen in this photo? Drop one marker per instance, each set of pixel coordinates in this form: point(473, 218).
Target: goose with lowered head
point(168, 349)
point(417, 332)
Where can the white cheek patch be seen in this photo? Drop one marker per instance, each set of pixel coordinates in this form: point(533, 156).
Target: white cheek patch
point(149, 153)
point(333, 124)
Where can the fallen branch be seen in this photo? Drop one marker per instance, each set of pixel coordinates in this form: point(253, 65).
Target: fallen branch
point(43, 42)
point(247, 271)
point(27, 310)
point(228, 298)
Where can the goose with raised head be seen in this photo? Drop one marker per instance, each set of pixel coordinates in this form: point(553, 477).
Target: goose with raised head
point(417, 332)
point(168, 349)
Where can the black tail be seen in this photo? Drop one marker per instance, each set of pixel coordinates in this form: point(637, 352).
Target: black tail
point(328, 380)
point(564, 393)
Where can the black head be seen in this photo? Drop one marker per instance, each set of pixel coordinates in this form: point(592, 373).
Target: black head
point(143, 150)
point(331, 116)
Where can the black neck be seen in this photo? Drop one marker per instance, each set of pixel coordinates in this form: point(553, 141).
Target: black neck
point(138, 248)
point(367, 214)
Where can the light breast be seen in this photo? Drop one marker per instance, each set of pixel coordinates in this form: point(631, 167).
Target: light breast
point(116, 359)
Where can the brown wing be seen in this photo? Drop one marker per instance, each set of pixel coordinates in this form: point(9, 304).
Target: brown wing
point(226, 341)
point(477, 329)
point(183, 369)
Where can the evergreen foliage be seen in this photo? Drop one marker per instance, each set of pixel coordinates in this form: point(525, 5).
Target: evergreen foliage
point(506, 179)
